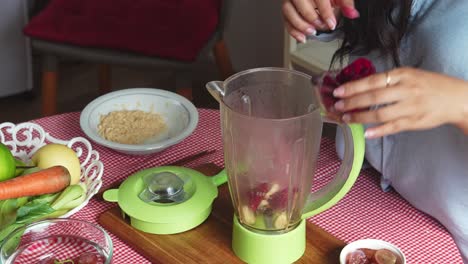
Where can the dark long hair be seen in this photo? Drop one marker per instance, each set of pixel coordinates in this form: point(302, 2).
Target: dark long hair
point(381, 26)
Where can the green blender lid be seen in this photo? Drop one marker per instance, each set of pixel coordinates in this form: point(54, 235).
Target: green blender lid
point(167, 200)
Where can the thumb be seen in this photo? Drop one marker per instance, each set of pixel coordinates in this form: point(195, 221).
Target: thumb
point(347, 8)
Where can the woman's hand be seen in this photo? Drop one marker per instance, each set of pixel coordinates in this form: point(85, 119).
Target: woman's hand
point(305, 17)
point(410, 99)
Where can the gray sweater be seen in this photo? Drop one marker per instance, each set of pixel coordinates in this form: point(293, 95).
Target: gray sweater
point(429, 168)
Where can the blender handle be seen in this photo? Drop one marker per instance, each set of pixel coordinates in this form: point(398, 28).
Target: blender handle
point(219, 178)
point(335, 190)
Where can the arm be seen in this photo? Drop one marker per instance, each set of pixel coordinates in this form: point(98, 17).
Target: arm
point(462, 122)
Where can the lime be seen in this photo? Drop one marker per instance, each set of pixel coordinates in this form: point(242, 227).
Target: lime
point(7, 163)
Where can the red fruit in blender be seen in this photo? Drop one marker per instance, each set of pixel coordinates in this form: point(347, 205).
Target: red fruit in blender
point(257, 195)
point(357, 257)
point(273, 189)
point(279, 201)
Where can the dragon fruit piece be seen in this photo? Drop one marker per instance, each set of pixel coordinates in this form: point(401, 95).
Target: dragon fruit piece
point(328, 99)
point(257, 195)
point(326, 91)
point(279, 201)
point(358, 69)
point(329, 81)
point(344, 76)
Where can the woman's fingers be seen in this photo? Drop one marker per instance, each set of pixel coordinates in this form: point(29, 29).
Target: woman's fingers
point(304, 17)
point(371, 98)
point(325, 10)
point(375, 81)
point(299, 36)
point(296, 21)
point(347, 8)
point(389, 128)
point(307, 10)
point(379, 115)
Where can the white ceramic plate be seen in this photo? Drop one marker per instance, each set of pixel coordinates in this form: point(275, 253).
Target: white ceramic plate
point(180, 115)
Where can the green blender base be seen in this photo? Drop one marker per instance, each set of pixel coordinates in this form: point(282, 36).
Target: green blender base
point(255, 248)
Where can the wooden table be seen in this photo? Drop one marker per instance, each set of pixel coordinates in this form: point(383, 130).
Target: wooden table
point(211, 241)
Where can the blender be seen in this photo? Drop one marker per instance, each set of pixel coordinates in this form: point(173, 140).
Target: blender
point(271, 121)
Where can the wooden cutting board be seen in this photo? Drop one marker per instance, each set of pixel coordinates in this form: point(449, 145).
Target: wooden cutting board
point(211, 241)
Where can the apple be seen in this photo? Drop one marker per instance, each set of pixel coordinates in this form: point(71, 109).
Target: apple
point(57, 154)
point(7, 163)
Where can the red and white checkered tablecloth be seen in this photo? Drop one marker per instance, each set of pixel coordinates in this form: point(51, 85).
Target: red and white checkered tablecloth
point(366, 212)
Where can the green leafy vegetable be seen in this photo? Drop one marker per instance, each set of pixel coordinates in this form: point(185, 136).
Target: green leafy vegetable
point(7, 212)
point(33, 210)
point(15, 213)
point(7, 230)
point(38, 206)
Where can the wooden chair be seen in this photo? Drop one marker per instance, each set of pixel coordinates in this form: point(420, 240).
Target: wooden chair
point(52, 52)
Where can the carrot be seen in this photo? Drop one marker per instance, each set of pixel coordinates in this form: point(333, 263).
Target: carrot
point(50, 180)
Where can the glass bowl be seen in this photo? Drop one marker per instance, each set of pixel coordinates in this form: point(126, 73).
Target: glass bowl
point(63, 240)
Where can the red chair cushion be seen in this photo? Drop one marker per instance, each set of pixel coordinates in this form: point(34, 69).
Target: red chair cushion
point(174, 29)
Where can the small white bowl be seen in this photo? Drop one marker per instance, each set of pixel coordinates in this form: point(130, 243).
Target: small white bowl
point(371, 244)
point(180, 115)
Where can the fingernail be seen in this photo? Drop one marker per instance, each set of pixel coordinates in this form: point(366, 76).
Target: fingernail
point(346, 118)
point(350, 12)
point(301, 39)
point(319, 23)
point(339, 105)
point(311, 31)
point(369, 134)
point(339, 91)
point(331, 23)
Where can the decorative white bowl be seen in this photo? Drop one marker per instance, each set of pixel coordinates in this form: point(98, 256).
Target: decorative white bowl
point(371, 244)
point(26, 138)
point(180, 116)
